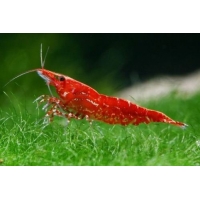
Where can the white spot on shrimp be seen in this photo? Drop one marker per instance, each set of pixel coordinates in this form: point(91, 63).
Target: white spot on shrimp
point(83, 93)
point(129, 104)
point(96, 104)
point(64, 94)
point(73, 90)
point(54, 110)
point(104, 104)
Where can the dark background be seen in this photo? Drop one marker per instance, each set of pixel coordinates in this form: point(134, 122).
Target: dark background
point(107, 62)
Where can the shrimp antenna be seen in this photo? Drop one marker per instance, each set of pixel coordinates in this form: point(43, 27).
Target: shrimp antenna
point(33, 70)
point(43, 61)
point(50, 90)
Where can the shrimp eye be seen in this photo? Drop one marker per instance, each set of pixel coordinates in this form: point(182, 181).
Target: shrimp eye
point(61, 78)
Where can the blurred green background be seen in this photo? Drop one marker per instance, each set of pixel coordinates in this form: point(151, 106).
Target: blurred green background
point(106, 62)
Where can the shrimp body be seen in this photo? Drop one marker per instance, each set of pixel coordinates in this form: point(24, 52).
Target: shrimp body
point(78, 100)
